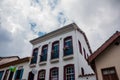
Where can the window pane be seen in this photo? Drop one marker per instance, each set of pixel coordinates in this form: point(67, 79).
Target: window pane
point(55, 50)
point(11, 76)
point(1, 74)
point(41, 75)
point(68, 49)
point(69, 72)
point(6, 75)
point(43, 56)
point(54, 74)
point(34, 56)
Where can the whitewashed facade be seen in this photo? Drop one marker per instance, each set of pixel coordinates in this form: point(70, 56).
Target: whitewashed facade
point(21, 69)
point(82, 71)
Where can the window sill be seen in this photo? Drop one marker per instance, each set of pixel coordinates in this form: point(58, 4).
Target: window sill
point(67, 57)
point(54, 60)
point(32, 65)
point(42, 63)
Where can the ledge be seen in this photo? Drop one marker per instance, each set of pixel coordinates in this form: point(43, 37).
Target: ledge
point(32, 65)
point(43, 63)
point(67, 57)
point(54, 60)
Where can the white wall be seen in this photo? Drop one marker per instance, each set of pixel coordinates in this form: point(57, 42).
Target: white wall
point(78, 59)
point(82, 61)
point(25, 66)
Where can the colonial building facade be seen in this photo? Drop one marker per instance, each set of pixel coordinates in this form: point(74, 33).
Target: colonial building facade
point(15, 70)
point(58, 55)
point(61, 55)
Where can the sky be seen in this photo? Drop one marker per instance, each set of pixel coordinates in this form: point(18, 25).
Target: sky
point(24, 20)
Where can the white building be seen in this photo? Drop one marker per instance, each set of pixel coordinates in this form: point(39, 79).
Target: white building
point(58, 55)
point(20, 71)
point(61, 55)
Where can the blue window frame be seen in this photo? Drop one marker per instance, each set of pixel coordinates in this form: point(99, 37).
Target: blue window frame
point(1, 74)
point(43, 56)
point(34, 56)
point(55, 50)
point(68, 46)
point(19, 74)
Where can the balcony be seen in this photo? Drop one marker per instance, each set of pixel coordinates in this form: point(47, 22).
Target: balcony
point(43, 57)
point(33, 61)
point(54, 54)
point(68, 50)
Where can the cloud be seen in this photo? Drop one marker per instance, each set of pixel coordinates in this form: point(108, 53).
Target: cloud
point(21, 21)
point(5, 36)
point(98, 19)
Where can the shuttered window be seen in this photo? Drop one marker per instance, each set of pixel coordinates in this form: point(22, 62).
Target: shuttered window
point(68, 46)
point(55, 50)
point(1, 74)
point(34, 56)
point(19, 74)
point(43, 56)
point(6, 74)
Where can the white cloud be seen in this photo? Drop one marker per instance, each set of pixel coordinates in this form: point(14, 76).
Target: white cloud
point(98, 19)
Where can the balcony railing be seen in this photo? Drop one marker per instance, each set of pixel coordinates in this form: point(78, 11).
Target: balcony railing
point(43, 57)
point(55, 55)
point(68, 51)
point(33, 59)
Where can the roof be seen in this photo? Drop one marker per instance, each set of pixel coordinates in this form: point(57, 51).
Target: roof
point(10, 57)
point(4, 60)
point(60, 31)
point(104, 46)
point(23, 60)
point(54, 33)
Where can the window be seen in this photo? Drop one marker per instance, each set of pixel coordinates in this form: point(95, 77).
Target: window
point(11, 75)
point(1, 74)
point(54, 73)
point(31, 76)
point(80, 47)
point(18, 75)
point(55, 50)
point(34, 56)
point(68, 48)
point(84, 53)
point(41, 75)
point(6, 75)
point(69, 72)
point(43, 56)
point(109, 74)
point(82, 71)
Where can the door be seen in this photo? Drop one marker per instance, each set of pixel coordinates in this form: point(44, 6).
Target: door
point(109, 74)
point(31, 76)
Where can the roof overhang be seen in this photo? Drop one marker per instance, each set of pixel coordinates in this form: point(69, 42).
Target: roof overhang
point(104, 46)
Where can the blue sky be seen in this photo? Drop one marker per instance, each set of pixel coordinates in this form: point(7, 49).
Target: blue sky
point(24, 20)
